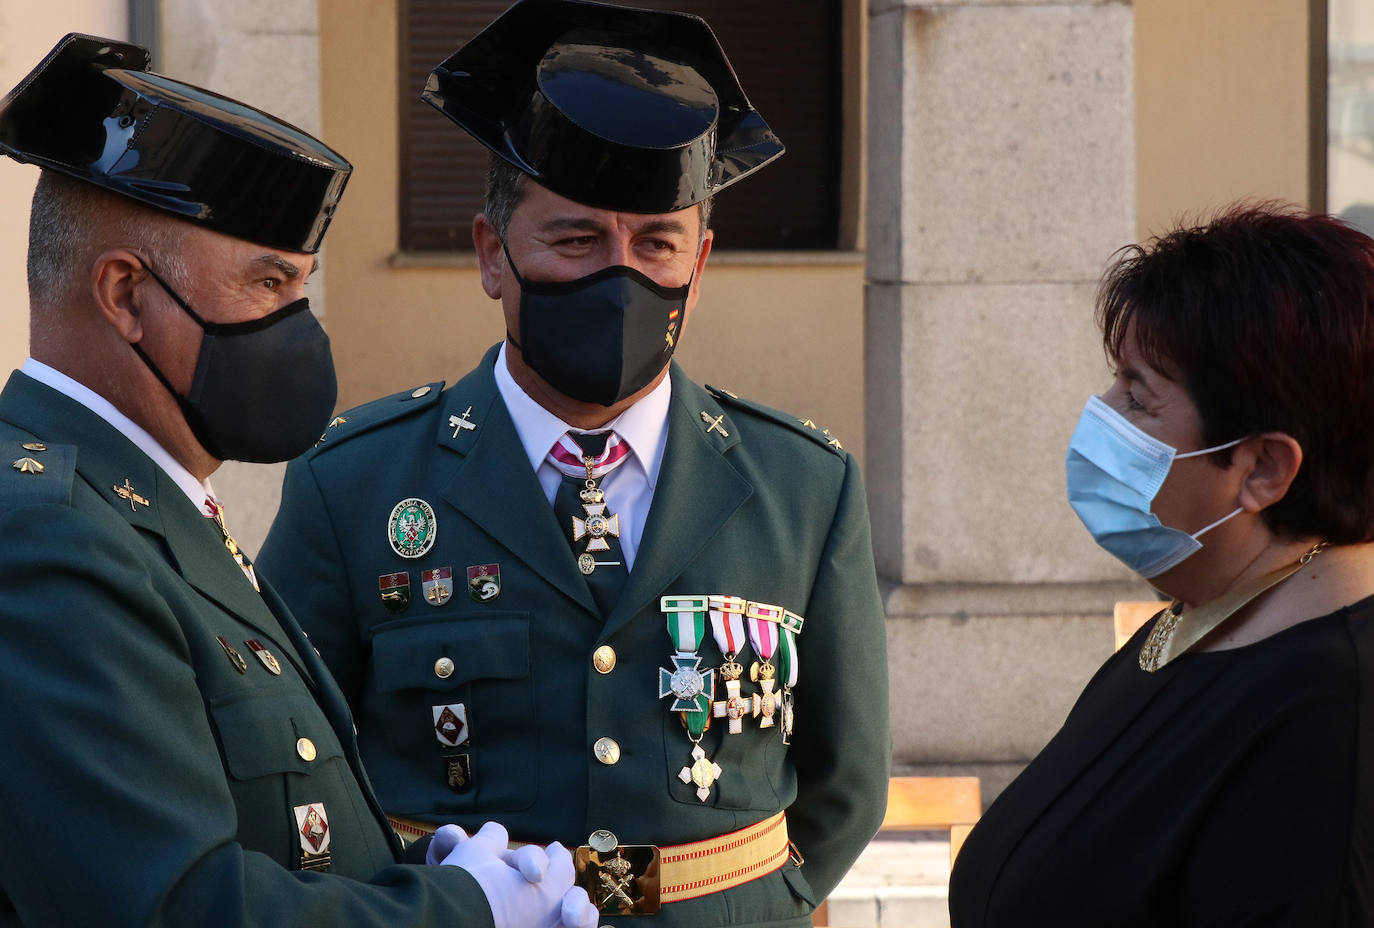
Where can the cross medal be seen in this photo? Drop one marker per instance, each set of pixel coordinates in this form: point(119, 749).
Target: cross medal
point(692, 688)
point(597, 524)
point(763, 621)
point(734, 706)
point(686, 682)
point(727, 625)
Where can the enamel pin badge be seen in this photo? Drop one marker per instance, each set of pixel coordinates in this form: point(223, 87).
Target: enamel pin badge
point(484, 582)
point(394, 590)
point(458, 772)
point(268, 659)
point(411, 528)
point(312, 827)
point(437, 585)
point(451, 724)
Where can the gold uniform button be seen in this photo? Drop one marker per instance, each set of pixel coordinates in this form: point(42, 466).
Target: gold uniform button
point(443, 668)
point(419, 392)
point(306, 749)
point(603, 659)
point(607, 751)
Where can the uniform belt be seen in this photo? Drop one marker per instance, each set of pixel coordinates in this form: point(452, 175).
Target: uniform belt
point(634, 879)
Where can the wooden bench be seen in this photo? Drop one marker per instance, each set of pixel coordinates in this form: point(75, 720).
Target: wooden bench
point(928, 804)
point(1127, 618)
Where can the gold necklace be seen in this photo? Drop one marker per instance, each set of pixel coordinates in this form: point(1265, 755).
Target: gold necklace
point(1174, 632)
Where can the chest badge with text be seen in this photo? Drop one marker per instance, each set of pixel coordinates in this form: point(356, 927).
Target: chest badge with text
point(411, 528)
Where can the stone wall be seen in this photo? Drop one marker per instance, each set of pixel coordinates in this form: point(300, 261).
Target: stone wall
point(1001, 178)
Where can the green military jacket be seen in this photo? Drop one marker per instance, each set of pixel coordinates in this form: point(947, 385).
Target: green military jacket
point(759, 506)
point(154, 758)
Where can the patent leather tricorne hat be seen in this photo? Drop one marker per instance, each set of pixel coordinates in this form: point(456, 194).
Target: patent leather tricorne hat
point(93, 110)
point(609, 106)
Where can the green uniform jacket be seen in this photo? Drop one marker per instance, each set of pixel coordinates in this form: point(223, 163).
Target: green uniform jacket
point(149, 778)
point(759, 507)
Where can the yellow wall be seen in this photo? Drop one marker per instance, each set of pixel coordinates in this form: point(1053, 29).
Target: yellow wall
point(28, 31)
point(1226, 105)
point(785, 330)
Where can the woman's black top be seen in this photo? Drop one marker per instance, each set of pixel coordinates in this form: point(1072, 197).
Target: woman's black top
point(1230, 788)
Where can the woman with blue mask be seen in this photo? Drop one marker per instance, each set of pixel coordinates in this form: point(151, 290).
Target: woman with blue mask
point(1219, 769)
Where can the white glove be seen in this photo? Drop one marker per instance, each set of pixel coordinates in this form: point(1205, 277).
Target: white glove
point(578, 911)
point(525, 888)
point(445, 839)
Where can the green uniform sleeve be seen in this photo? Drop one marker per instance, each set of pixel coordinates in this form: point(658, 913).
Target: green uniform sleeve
point(841, 746)
point(116, 806)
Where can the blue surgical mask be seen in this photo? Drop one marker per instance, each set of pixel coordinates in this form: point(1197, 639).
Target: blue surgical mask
point(1113, 471)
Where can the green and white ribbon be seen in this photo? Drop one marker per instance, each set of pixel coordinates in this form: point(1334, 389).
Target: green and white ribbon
point(788, 662)
point(691, 687)
point(686, 620)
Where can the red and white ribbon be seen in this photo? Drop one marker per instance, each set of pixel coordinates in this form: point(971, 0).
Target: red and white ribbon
point(567, 456)
point(727, 623)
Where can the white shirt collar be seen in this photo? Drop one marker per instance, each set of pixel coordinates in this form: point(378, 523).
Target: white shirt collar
point(644, 426)
point(195, 490)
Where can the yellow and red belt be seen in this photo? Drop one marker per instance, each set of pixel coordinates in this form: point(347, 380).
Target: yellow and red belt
point(635, 879)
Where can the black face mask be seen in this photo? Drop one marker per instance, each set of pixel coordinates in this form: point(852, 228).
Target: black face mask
point(263, 390)
point(600, 338)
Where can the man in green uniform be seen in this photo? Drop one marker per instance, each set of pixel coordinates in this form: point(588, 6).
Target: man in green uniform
point(175, 751)
point(576, 592)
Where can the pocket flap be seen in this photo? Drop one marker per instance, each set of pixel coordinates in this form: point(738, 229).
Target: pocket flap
point(442, 655)
point(260, 734)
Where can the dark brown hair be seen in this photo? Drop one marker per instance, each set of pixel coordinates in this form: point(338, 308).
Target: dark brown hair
point(1264, 315)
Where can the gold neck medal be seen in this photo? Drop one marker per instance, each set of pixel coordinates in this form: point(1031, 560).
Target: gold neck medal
point(1175, 632)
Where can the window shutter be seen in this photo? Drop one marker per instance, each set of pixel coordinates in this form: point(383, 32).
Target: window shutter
point(787, 56)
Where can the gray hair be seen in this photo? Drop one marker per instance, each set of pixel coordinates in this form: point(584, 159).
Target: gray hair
point(506, 188)
point(71, 221)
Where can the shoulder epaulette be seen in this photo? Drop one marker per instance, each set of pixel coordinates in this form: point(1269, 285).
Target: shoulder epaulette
point(34, 472)
point(364, 418)
point(804, 426)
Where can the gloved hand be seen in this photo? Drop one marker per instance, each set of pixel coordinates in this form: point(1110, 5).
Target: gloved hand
point(445, 839)
point(526, 888)
point(577, 909)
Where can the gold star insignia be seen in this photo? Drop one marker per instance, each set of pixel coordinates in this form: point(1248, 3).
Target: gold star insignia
point(28, 466)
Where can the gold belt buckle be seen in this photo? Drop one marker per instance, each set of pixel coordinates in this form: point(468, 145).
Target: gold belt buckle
point(620, 879)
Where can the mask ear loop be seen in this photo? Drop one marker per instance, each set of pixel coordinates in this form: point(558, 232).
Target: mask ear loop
point(1194, 454)
point(1226, 518)
point(176, 297)
point(1213, 450)
point(138, 350)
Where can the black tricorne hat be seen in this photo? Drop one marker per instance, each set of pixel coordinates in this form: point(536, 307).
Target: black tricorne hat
point(93, 110)
point(609, 106)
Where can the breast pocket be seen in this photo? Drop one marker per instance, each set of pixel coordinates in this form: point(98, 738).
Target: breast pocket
point(751, 762)
point(265, 736)
point(478, 669)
